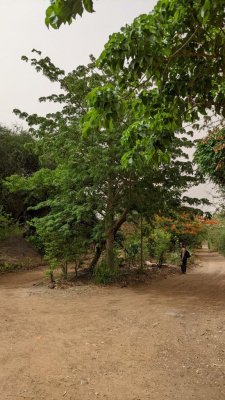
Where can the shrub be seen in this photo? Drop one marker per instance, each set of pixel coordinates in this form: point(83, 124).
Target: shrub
point(174, 258)
point(36, 241)
point(8, 267)
point(161, 244)
point(132, 245)
point(216, 235)
point(53, 265)
point(185, 227)
point(7, 226)
point(103, 275)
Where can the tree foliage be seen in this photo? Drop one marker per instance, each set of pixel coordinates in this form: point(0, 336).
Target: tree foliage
point(16, 153)
point(184, 226)
point(64, 11)
point(210, 156)
point(216, 234)
point(173, 62)
point(17, 156)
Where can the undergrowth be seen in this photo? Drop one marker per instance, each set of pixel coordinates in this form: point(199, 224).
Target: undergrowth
point(104, 275)
point(9, 267)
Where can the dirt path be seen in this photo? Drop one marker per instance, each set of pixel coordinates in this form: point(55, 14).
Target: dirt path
point(163, 342)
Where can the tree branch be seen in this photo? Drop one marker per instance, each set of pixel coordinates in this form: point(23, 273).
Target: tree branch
point(120, 221)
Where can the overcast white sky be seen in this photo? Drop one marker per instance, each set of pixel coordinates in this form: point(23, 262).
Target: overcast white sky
point(22, 28)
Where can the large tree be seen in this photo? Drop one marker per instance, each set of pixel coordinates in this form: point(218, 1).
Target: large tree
point(90, 191)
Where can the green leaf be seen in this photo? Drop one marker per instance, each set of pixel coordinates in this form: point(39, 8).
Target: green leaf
point(88, 4)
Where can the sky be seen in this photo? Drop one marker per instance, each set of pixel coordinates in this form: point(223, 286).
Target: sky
point(22, 29)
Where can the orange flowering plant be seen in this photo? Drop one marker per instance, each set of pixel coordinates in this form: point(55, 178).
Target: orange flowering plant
point(185, 227)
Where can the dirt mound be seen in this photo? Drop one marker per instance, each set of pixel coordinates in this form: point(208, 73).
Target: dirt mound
point(17, 251)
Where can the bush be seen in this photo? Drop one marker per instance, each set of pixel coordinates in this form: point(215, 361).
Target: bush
point(161, 244)
point(103, 275)
point(8, 267)
point(174, 258)
point(3, 227)
point(216, 236)
point(132, 245)
point(53, 265)
point(35, 240)
point(7, 227)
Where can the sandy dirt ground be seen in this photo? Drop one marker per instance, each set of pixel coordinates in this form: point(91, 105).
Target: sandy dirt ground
point(163, 341)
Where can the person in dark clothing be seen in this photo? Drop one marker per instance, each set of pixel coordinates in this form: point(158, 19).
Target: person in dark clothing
point(184, 253)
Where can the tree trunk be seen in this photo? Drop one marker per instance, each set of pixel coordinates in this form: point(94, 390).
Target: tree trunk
point(142, 266)
point(98, 251)
point(76, 269)
point(109, 249)
point(102, 245)
point(65, 270)
point(111, 234)
point(109, 225)
point(120, 222)
point(52, 277)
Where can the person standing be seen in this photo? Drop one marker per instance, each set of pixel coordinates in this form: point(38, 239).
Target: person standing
point(184, 253)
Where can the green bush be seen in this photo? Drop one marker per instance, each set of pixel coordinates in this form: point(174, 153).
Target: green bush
point(53, 265)
point(3, 227)
point(103, 275)
point(161, 244)
point(36, 242)
point(7, 226)
point(216, 236)
point(132, 245)
point(8, 267)
point(174, 258)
